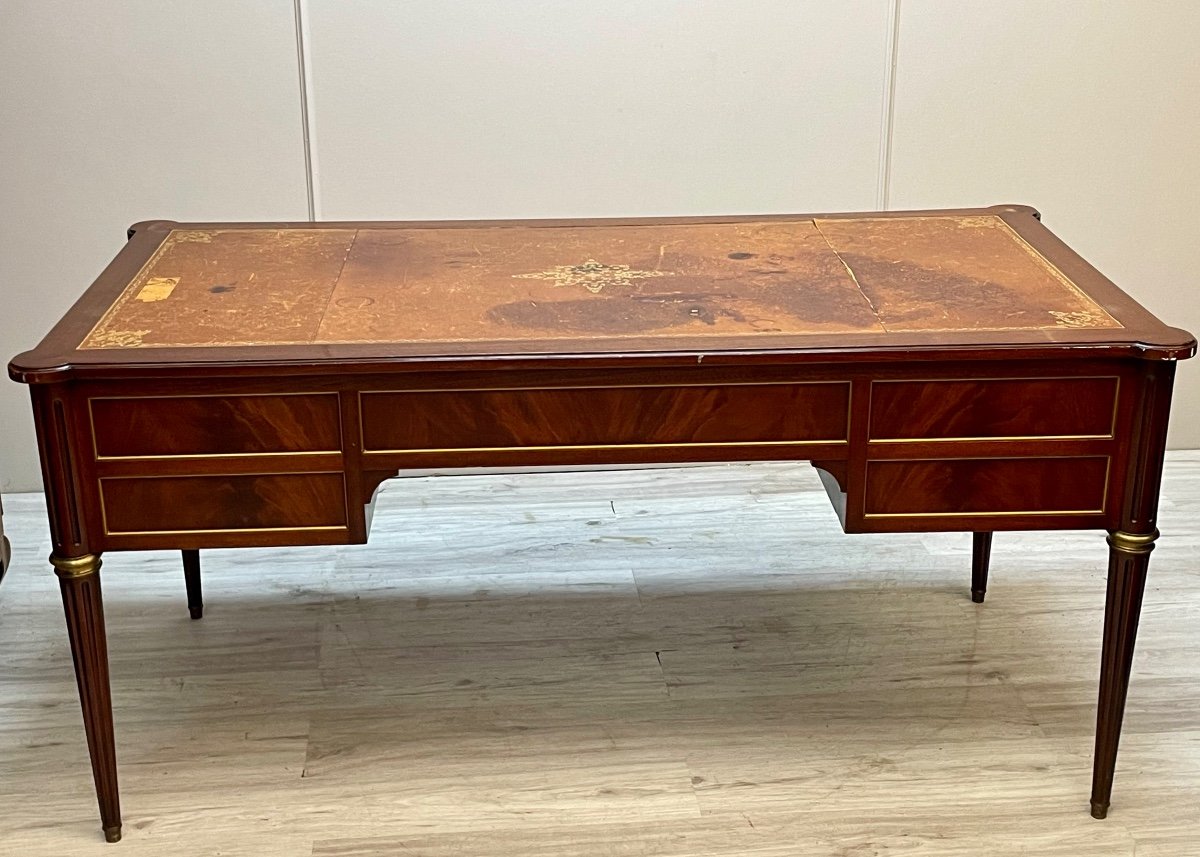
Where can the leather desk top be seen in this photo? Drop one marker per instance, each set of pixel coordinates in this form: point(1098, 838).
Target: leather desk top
point(197, 292)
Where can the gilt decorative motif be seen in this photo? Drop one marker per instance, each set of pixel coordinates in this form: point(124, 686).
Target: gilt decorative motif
point(117, 339)
point(592, 275)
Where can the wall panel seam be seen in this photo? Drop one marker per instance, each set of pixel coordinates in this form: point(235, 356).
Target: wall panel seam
point(883, 191)
point(303, 73)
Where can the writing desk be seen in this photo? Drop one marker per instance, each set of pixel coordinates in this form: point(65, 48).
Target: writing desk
point(247, 384)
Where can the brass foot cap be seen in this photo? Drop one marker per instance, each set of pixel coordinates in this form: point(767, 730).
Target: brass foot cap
point(977, 596)
point(1099, 810)
point(112, 834)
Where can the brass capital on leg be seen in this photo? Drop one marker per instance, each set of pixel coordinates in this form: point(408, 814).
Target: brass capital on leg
point(1131, 543)
point(75, 567)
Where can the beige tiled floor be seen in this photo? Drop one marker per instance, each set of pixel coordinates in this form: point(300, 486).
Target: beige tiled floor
point(667, 662)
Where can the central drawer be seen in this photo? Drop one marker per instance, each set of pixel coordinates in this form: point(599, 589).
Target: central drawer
point(574, 417)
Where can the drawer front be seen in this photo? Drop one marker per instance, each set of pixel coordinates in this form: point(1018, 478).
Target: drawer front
point(605, 417)
point(996, 409)
point(218, 504)
point(215, 425)
point(983, 486)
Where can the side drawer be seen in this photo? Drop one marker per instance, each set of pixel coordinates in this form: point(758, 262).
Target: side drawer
point(993, 409)
point(137, 505)
point(987, 486)
point(163, 426)
point(699, 415)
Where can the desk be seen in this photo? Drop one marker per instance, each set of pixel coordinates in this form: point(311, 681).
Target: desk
point(243, 385)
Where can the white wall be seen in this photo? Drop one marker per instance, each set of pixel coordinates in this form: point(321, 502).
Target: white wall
point(428, 109)
point(113, 113)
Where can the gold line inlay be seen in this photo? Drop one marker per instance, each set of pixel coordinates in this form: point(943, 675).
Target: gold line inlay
point(612, 446)
point(323, 528)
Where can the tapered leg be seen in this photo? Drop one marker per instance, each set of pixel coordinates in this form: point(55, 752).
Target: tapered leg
point(191, 578)
point(981, 556)
point(1128, 558)
point(79, 580)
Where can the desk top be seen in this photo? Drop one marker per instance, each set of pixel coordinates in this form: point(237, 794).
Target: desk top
point(454, 290)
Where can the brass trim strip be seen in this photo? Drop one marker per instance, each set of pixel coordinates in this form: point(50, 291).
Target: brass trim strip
point(1039, 514)
point(280, 394)
point(218, 455)
point(796, 383)
point(209, 532)
point(991, 438)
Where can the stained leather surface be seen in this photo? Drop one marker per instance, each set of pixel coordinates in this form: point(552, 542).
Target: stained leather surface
point(327, 285)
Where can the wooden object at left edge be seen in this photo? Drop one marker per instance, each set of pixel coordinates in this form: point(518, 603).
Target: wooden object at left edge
point(162, 424)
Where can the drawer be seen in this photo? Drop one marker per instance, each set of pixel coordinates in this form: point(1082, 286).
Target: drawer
point(985, 486)
point(605, 417)
point(215, 425)
point(215, 504)
point(995, 409)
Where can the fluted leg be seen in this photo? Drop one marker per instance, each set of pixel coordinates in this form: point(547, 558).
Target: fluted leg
point(981, 557)
point(191, 579)
point(79, 580)
point(1128, 558)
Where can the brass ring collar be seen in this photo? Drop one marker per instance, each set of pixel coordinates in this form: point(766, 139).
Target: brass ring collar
point(1131, 543)
point(75, 567)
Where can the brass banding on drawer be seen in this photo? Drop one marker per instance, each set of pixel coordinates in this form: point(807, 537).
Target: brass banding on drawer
point(605, 417)
point(993, 409)
point(986, 486)
point(239, 424)
point(222, 504)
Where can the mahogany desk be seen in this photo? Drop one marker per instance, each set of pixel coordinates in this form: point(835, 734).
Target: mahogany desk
point(242, 384)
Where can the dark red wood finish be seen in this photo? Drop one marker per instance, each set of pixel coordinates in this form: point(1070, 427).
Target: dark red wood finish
point(242, 446)
point(981, 558)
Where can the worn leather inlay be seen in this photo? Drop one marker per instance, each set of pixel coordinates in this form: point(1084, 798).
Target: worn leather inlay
point(330, 285)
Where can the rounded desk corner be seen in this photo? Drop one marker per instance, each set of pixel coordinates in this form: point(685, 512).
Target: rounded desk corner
point(1017, 208)
point(161, 226)
point(31, 368)
point(1174, 344)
